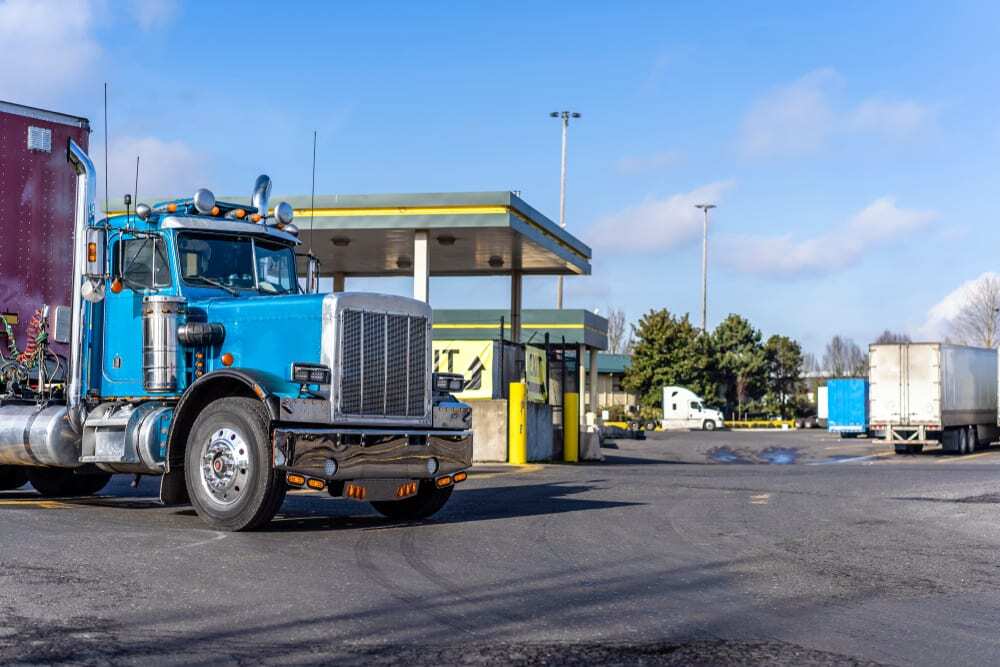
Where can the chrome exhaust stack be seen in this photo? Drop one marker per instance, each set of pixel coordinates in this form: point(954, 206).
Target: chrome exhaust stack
point(261, 195)
point(86, 196)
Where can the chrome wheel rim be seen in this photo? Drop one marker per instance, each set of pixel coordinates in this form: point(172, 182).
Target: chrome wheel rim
point(225, 466)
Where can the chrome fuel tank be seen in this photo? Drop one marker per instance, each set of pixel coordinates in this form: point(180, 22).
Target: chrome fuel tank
point(34, 436)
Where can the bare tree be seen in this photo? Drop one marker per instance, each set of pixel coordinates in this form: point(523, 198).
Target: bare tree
point(809, 364)
point(888, 337)
point(843, 358)
point(619, 333)
point(978, 322)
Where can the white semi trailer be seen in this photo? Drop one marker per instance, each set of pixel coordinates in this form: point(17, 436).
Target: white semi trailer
point(933, 393)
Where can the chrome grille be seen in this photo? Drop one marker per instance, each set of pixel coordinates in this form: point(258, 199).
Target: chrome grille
point(383, 365)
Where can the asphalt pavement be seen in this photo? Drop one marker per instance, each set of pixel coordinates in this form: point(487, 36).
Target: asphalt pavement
point(686, 548)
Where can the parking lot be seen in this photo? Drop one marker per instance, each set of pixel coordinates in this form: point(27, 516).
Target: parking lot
point(811, 447)
point(686, 548)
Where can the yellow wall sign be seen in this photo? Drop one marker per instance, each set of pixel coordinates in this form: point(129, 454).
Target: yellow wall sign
point(473, 359)
point(535, 374)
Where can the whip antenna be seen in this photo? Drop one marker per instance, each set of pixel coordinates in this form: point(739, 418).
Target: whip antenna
point(107, 206)
point(312, 199)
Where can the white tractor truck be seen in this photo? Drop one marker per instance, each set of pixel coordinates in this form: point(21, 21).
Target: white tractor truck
point(684, 409)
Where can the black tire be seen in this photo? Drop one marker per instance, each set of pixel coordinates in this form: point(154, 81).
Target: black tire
point(708, 425)
point(428, 501)
point(64, 482)
point(12, 477)
point(237, 488)
point(963, 441)
point(974, 439)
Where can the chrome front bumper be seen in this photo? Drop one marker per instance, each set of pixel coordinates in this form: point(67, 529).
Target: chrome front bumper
point(370, 454)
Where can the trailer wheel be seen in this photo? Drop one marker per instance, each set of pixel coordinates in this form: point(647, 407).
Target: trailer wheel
point(54, 482)
point(708, 425)
point(228, 470)
point(974, 439)
point(12, 477)
point(428, 501)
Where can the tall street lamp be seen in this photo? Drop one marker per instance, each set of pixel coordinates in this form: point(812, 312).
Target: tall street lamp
point(565, 115)
point(704, 267)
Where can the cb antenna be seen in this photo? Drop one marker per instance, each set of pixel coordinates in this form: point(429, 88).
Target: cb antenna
point(312, 198)
point(107, 206)
point(136, 191)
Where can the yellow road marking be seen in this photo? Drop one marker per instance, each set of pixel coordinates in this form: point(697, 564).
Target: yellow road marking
point(959, 459)
point(531, 467)
point(44, 504)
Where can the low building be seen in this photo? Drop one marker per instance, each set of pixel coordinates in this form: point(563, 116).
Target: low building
point(610, 375)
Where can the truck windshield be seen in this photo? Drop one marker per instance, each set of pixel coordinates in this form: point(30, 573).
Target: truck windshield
point(235, 263)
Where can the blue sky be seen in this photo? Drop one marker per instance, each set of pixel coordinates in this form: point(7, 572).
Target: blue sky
point(852, 149)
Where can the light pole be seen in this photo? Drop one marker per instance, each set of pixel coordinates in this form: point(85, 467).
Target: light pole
point(704, 267)
point(565, 115)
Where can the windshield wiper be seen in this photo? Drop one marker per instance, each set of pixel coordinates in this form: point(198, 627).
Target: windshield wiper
point(214, 283)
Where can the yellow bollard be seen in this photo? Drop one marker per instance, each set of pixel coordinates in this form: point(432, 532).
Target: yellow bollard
point(571, 427)
point(517, 408)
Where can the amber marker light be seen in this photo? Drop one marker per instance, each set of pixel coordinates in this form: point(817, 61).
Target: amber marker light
point(171, 208)
point(255, 217)
point(239, 214)
point(216, 210)
point(116, 286)
point(297, 480)
point(227, 359)
point(444, 482)
point(91, 252)
point(317, 484)
point(460, 477)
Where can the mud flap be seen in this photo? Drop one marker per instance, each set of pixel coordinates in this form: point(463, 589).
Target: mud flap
point(173, 489)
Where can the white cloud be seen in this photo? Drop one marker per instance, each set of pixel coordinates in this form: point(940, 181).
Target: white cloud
point(166, 169)
point(638, 164)
point(894, 118)
point(935, 327)
point(48, 46)
point(801, 117)
point(792, 119)
point(880, 223)
point(150, 14)
point(656, 224)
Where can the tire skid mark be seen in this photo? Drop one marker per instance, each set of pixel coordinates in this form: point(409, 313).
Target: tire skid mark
point(408, 548)
point(366, 563)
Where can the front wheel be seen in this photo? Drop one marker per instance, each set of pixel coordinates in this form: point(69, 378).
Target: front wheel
point(228, 470)
point(708, 425)
point(428, 501)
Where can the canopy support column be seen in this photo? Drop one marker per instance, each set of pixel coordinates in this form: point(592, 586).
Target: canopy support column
point(515, 306)
point(339, 281)
point(421, 265)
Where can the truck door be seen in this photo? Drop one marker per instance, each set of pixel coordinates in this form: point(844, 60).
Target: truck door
point(139, 266)
point(922, 393)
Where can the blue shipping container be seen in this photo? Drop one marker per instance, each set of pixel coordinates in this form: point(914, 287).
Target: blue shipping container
point(847, 399)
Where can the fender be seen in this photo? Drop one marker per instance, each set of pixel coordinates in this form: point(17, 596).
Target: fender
point(209, 387)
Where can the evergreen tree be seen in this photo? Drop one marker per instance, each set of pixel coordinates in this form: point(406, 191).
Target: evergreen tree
point(784, 381)
point(669, 350)
point(740, 362)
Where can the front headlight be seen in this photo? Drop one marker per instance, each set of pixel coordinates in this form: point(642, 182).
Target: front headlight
point(310, 374)
point(449, 382)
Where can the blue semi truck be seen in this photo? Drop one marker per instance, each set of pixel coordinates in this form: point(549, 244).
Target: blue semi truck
point(186, 348)
point(847, 406)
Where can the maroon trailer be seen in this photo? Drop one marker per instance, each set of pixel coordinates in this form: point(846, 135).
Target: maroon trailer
point(37, 199)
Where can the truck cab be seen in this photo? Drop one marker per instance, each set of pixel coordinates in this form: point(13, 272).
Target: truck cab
point(197, 356)
point(682, 408)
